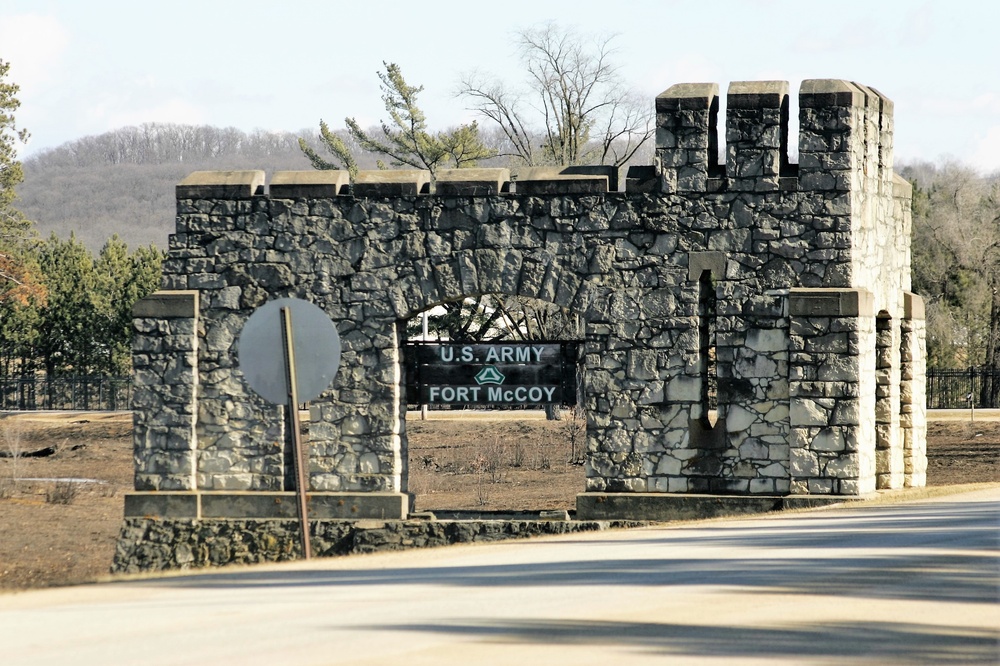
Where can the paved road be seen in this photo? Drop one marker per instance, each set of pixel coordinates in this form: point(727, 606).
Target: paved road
point(905, 584)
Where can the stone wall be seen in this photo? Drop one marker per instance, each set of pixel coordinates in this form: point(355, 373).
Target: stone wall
point(147, 544)
point(779, 272)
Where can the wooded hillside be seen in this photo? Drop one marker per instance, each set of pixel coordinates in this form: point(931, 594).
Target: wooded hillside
point(122, 182)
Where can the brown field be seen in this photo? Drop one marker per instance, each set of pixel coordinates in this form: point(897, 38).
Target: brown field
point(60, 513)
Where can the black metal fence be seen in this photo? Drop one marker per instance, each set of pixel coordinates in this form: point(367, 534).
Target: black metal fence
point(66, 393)
point(946, 389)
point(957, 389)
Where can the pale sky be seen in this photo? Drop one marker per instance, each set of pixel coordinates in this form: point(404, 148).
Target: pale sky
point(87, 67)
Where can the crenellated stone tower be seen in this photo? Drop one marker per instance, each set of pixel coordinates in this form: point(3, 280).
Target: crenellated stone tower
point(750, 334)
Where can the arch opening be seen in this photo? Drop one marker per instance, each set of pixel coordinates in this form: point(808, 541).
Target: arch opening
point(466, 451)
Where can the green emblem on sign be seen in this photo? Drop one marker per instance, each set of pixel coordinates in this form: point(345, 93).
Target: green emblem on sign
point(489, 375)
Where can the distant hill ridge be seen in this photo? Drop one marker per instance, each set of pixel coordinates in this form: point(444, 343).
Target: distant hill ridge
point(122, 182)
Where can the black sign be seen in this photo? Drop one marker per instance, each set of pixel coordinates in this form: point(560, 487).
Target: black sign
point(509, 373)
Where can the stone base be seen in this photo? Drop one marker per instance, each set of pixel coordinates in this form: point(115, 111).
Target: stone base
point(163, 544)
point(258, 505)
point(665, 507)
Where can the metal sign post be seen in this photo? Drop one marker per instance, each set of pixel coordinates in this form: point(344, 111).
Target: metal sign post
point(296, 431)
point(423, 338)
point(304, 368)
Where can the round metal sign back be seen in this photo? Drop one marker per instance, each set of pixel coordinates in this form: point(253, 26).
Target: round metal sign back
point(316, 345)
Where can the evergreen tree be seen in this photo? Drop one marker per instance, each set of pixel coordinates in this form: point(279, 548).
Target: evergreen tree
point(67, 348)
point(18, 274)
point(404, 139)
point(20, 334)
point(121, 280)
point(88, 318)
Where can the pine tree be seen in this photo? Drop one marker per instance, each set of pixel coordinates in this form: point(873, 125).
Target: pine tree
point(404, 139)
point(69, 316)
point(121, 280)
point(18, 274)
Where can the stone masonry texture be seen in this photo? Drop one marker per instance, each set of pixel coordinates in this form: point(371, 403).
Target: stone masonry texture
point(794, 278)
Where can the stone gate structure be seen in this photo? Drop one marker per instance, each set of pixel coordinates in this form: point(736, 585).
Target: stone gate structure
point(786, 285)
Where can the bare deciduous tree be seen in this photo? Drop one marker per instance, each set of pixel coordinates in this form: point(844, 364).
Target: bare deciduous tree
point(582, 112)
point(956, 264)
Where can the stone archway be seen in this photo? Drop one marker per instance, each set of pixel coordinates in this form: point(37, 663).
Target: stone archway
point(790, 251)
point(799, 258)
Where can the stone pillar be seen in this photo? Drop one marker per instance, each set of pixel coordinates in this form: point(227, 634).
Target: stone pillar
point(913, 392)
point(165, 360)
point(356, 426)
point(832, 391)
point(756, 134)
point(687, 142)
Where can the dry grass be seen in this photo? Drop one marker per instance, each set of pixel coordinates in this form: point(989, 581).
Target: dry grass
point(509, 461)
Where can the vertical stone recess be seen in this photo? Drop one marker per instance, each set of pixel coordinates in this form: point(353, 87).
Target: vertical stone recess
point(888, 444)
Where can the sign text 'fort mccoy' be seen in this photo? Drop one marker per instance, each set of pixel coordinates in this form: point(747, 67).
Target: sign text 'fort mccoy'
point(530, 373)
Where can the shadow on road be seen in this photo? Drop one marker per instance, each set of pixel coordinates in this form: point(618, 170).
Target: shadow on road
point(896, 642)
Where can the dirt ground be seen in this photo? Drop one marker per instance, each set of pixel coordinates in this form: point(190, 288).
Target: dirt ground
point(60, 513)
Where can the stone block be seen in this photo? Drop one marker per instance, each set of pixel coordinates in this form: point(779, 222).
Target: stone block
point(167, 305)
point(221, 185)
point(642, 364)
point(713, 262)
point(641, 179)
point(825, 302)
point(687, 97)
point(238, 481)
point(766, 340)
point(808, 412)
point(161, 505)
point(844, 467)
point(250, 504)
point(820, 486)
point(472, 182)
point(391, 183)
point(820, 93)
point(775, 470)
point(739, 419)
point(563, 184)
point(913, 306)
point(666, 507)
point(598, 175)
point(352, 506)
point(318, 183)
point(828, 440)
point(684, 389)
